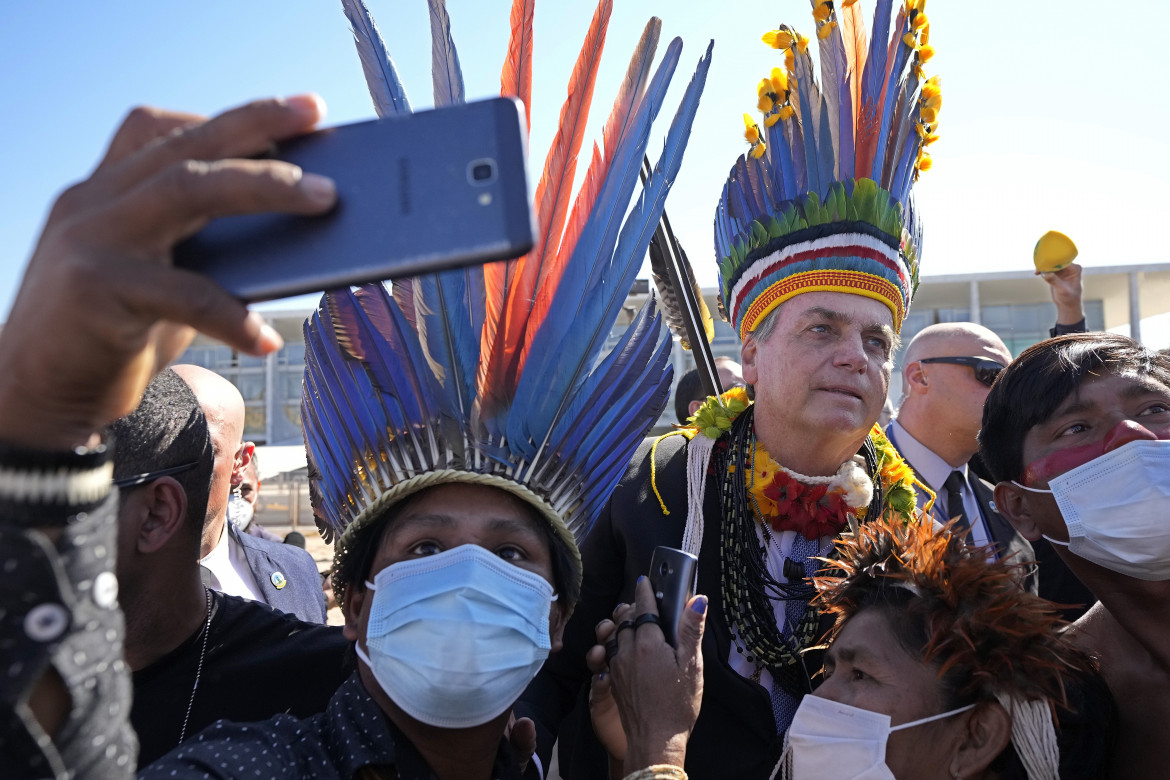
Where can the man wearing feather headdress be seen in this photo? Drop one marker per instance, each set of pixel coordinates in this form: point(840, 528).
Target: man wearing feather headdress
point(817, 242)
point(450, 424)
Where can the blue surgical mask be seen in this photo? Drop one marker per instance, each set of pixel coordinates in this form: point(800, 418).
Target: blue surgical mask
point(455, 638)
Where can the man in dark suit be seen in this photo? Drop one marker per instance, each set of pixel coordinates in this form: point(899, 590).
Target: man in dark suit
point(947, 373)
point(280, 575)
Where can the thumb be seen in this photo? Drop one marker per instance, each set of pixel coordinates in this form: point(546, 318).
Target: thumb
point(691, 626)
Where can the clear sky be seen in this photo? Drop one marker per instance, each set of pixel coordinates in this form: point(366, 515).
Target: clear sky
point(1054, 113)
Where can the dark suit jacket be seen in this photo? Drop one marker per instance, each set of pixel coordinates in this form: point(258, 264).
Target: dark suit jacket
point(273, 563)
point(735, 736)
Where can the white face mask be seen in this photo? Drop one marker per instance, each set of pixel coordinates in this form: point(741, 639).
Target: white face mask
point(1117, 509)
point(455, 638)
point(239, 512)
point(832, 741)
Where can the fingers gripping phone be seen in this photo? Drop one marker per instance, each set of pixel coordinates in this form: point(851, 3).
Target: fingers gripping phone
point(672, 576)
point(419, 193)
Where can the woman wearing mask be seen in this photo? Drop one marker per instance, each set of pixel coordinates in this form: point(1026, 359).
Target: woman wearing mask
point(939, 666)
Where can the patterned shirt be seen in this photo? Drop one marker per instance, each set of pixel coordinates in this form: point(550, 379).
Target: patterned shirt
point(352, 738)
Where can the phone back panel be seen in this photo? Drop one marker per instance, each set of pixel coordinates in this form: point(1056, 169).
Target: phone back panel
point(414, 196)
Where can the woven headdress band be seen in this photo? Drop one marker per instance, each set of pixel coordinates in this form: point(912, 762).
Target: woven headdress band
point(494, 374)
point(822, 201)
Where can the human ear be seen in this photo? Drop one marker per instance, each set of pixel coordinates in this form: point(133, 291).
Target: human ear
point(1011, 502)
point(989, 730)
point(243, 458)
point(164, 503)
point(558, 618)
point(747, 360)
point(353, 601)
point(916, 378)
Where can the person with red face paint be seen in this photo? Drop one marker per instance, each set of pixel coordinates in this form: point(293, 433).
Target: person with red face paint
point(1076, 431)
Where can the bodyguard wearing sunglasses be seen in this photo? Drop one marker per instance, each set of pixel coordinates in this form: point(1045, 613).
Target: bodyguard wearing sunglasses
point(947, 372)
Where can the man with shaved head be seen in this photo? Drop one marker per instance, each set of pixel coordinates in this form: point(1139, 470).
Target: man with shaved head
point(947, 372)
point(283, 576)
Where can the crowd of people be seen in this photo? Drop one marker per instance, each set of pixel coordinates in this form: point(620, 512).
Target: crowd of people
point(977, 589)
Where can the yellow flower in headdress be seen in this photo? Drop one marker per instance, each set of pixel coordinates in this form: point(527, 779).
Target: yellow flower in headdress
point(779, 81)
point(925, 53)
point(924, 161)
point(786, 112)
point(752, 133)
point(779, 39)
point(824, 30)
point(801, 43)
point(823, 10)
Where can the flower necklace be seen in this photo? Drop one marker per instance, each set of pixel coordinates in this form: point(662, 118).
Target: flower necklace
point(812, 506)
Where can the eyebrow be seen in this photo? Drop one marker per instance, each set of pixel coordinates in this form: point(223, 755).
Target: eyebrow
point(841, 318)
point(439, 521)
point(1141, 386)
point(848, 654)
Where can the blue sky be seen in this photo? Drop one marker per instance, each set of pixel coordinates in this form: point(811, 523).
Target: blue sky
point(1053, 114)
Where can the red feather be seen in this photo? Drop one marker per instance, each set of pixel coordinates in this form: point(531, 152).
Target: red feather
point(856, 50)
point(516, 77)
point(515, 80)
point(539, 267)
point(624, 106)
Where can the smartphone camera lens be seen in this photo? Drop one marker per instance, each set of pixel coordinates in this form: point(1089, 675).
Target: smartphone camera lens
point(664, 568)
point(482, 171)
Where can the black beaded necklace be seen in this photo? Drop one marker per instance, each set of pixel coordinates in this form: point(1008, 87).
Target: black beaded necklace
point(748, 589)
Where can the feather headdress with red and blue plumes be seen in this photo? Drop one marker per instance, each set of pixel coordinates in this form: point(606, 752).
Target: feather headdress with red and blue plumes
point(495, 374)
point(822, 201)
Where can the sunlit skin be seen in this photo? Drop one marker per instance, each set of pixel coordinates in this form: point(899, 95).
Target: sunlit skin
point(820, 378)
point(943, 405)
point(867, 667)
point(1128, 629)
point(438, 520)
point(1105, 413)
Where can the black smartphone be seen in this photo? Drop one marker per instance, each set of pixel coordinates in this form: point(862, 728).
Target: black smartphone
point(672, 577)
point(419, 193)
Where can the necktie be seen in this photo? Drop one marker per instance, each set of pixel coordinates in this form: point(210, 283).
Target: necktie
point(954, 488)
point(783, 703)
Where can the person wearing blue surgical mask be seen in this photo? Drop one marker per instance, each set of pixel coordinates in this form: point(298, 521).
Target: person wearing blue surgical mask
point(1077, 433)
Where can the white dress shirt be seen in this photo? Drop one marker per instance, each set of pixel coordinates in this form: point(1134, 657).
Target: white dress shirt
point(934, 471)
point(229, 569)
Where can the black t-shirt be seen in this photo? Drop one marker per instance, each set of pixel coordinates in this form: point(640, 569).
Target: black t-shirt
point(259, 663)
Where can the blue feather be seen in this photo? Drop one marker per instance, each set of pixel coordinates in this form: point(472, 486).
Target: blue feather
point(590, 258)
point(783, 173)
point(901, 57)
point(381, 76)
point(603, 303)
point(807, 95)
point(608, 380)
point(447, 305)
point(874, 76)
point(446, 74)
point(827, 159)
point(796, 143)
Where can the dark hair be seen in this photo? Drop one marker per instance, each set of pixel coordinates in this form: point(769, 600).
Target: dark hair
point(168, 429)
point(355, 567)
point(1035, 384)
point(688, 389)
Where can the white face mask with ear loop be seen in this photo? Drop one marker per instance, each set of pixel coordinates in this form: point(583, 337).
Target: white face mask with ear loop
point(829, 740)
point(1117, 509)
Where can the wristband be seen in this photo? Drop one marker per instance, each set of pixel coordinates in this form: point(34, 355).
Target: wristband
point(39, 488)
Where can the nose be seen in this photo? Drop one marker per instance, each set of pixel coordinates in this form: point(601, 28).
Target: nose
point(1125, 432)
point(851, 353)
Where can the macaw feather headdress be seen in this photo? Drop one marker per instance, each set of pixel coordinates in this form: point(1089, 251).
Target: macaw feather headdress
point(997, 641)
point(822, 199)
point(494, 374)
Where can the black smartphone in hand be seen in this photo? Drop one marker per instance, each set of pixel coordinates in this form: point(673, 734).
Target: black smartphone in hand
point(672, 577)
point(418, 193)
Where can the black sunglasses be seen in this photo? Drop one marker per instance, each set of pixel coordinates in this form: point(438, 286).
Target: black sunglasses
point(986, 370)
point(150, 476)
